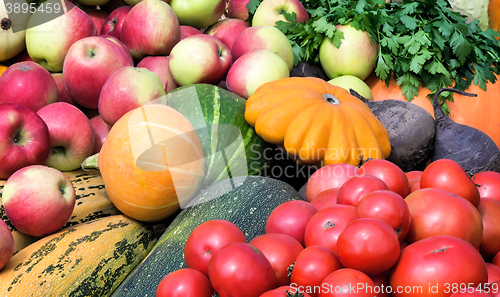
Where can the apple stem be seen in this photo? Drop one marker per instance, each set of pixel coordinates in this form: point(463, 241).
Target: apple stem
point(5, 23)
point(90, 163)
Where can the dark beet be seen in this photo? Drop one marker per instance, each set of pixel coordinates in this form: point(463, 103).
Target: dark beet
point(471, 148)
point(308, 69)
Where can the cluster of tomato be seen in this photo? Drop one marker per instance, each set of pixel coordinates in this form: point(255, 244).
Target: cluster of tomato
point(363, 231)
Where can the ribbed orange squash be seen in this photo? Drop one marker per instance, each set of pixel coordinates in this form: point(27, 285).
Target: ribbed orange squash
point(151, 158)
point(480, 112)
point(316, 122)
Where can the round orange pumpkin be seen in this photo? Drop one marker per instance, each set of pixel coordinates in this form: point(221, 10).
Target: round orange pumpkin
point(2, 69)
point(151, 158)
point(480, 112)
point(315, 122)
point(494, 14)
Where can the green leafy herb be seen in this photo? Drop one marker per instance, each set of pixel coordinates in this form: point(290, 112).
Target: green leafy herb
point(421, 42)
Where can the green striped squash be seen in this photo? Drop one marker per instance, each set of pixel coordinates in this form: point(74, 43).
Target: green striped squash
point(246, 203)
point(90, 259)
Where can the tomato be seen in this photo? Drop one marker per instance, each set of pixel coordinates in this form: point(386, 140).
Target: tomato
point(285, 291)
point(490, 212)
point(368, 245)
point(381, 282)
point(185, 282)
point(402, 245)
point(325, 198)
point(475, 293)
point(414, 174)
point(326, 225)
point(440, 265)
point(389, 207)
point(496, 259)
point(347, 282)
point(206, 239)
point(281, 250)
point(354, 189)
point(290, 218)
point(493, 273)
point(389, 173)
point(313, 264)
point(329, 177)
point(414, 184)
point(437, 212)
point(494, 289)
point(450, 176)
point(239, 269)
point(488, 184)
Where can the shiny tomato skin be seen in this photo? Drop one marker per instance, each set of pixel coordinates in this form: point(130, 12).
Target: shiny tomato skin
point(389, 173)
point(291, 218)
point(283, 292)
point(414, 174)
point(326, 225)
point(206, 239)
point(440, 261)
point(493, 273)
point(494, 289)
point(490, 212)
point(328, 177)
point(488, 184)
point(382, 282)
point(240, 270)
point(313, 264)
point(414, 184)
point(368, 245)
point(354, 189)
point(185, 282)
point(281, 250)
point(389, 207)
point(450, 176)
point(347, 282)
point(325, 198)
point(437, 212)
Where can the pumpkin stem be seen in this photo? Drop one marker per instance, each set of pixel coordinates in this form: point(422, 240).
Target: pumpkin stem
point(90, 163)
point(331, 99)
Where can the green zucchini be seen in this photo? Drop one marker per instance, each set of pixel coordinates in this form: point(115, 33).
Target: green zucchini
point(247, 206)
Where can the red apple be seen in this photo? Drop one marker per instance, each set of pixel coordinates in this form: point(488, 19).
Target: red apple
point(62, 92)
point(187, 31)
point(22, 57)
point(24, 139)
point(112, 5)
point(127, 89)
point(71, 135)
point(271, 11)
point(151, 28)
point(263, 37)
point(7, 244)
point(238, 9)
point(89, 63)
point(159, 65)
point(253, 69)
point(38, 200)
point(119, 43)
point(113, 23)
point(28, 84)
point(98, 17)
point(101, 131)
point(199, 59)
point(227, 30)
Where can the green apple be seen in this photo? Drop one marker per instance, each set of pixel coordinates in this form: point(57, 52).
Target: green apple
point(198, 13)
point(12, 31)
point(271, 11)
point(353, 82)
point(356, 55)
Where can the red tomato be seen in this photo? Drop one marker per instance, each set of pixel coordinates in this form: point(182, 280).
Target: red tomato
point(414, 174)
point(313, 264)
point(488, 184)
point(450, 176)
point(290, 218)
point(474, 293)
point(206, 239)
point(368, 245)
point(496, 259)
point(326, 225)
point(490, 212)
point(389, 207)
point(440, 265)
point(381, 283)
point(240, 270)
point(414, 184)
point(284, 291)
point(437, 212)
point(281, 250)
point(329, 177)
point(494, 289)
point(353, 190)
point(402, 245)
point(347, 282)
point(389, 173)
point(325, 198)
point(186, 282)
point(493, 273)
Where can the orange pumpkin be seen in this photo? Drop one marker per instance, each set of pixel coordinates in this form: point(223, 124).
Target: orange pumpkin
point(315, 121)
point(480, 112)
point(2, 69)
point(151, 159)
point(494, 14)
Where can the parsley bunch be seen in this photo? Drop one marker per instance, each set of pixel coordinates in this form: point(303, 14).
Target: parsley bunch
point(421, 42)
